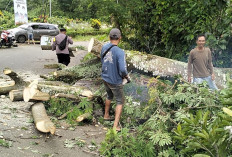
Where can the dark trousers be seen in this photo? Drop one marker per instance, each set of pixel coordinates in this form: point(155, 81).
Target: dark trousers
point(63, 59)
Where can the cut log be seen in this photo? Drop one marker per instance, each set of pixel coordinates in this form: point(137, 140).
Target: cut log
point(83, 117)
point(159, 66)
point(16, 95)
point(31, 93)
point(81, 91)
point(14, 76)
point(7, 86)
point(68, 96)
point(41, 90)
point(42, 121)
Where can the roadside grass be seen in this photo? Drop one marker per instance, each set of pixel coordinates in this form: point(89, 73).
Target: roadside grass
point(84, 32)
point(103, 37)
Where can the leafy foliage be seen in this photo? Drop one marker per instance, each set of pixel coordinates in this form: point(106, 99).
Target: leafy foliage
point(60, 106)
point(179, 120)
point(204, 132)
point(6, 20)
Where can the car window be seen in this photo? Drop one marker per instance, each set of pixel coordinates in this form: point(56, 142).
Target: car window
point(52, 27)
point(35, 26)
point(43, 27)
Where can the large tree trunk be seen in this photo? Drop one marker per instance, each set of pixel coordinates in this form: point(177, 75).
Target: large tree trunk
point(42, 121)
point(159, 66)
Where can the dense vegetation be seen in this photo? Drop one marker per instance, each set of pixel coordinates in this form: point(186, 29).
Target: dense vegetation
point(179, 120)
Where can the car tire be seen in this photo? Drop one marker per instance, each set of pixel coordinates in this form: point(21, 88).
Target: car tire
point(21, 39)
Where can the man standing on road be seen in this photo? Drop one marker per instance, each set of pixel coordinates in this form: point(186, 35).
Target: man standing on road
point(200, 64)
point(30, 34)
point(62, 55)
point(113, 71)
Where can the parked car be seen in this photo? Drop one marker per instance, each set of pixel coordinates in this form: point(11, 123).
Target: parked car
point(39, 29)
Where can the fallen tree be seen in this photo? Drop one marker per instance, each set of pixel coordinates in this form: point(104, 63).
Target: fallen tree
point(153, 65)
point(159, 66)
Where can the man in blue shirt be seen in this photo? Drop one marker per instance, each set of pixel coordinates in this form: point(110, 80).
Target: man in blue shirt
point(114, 70)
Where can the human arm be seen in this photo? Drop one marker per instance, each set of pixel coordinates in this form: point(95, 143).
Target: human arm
point(190, 62)
point(122, 65)
point(54, 44)
point(210, 65)
point(70, 41)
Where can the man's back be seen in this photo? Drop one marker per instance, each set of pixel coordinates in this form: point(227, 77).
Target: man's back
point(113, 64)
point(58, 39)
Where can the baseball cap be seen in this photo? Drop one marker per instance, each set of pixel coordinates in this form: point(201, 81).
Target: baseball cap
point(115, 33)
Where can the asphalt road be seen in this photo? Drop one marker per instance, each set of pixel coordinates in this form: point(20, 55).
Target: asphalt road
point(15, 117)
point(32, 58)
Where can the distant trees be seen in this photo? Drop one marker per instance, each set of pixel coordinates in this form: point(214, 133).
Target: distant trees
point(168, 28)
point(162, 27)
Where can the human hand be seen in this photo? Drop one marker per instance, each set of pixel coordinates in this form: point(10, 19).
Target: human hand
point(213, 77)
point(189, 79)
point(126, 80)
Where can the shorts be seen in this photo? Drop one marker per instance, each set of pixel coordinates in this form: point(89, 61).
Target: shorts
point(30, 36)
point(115, 90)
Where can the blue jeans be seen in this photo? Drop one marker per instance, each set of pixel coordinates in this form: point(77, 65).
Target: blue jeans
point(209, 81)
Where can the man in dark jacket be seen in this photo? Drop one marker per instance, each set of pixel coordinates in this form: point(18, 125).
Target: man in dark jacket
point(113, 71)
point(62, 55)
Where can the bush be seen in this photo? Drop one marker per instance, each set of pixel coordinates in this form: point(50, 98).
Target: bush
point(6, 20)
point(96, 24)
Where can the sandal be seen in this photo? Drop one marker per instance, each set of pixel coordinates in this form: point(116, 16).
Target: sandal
point(109, 119)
